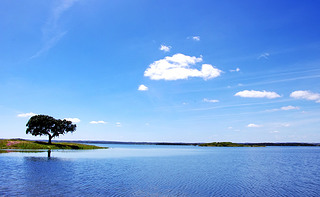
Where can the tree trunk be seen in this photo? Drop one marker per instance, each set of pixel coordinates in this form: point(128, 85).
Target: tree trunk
point(50, 137)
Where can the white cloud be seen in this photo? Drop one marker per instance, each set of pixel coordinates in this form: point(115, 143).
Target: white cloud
point(235, 70)
point(49, 44)
point(285, 108)
point(305, 94)
point(264, 55)
point(74, 120)
point(233, 129)
point(98, 122)
point(165, 48)
point(118, 124)
point(178, 67)
point(257, 94)
point(143, 88)
point(210, 100)
point(285, 124)
point(253, 125)
point(58, 11)
point(274, 131)
point(51, 32)
point(196, 38)
point(26, 115)
point(290, 107)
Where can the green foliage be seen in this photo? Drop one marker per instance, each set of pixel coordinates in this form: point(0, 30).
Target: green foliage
point(24, 144)
point(226, 144)
point(47, 125)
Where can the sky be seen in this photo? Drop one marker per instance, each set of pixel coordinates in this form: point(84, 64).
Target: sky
point(162, 71)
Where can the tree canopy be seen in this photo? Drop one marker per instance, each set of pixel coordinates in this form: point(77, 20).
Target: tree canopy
point(47, 125)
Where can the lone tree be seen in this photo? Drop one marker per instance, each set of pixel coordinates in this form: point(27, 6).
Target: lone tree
point(47, 125)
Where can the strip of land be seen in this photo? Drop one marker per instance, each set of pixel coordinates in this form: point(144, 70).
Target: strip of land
point(27, 144)
point(82, 144)
point(197, 144)
point(228, 144)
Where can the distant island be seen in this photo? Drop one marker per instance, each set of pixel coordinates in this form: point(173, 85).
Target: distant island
point(229, 144)
point(27, 144)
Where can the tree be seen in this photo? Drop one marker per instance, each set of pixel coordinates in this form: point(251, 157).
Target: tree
point(47, 125)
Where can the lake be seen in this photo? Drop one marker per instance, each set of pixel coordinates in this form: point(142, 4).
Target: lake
point(148, 170)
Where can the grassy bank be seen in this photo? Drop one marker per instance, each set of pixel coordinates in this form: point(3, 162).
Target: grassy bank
point(26, 144)
point(228, 144)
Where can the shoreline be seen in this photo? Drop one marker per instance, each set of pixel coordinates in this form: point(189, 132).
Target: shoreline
point(174, 143)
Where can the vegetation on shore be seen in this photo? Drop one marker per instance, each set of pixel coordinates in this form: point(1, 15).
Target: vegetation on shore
point(26, 144)
point(228, 144)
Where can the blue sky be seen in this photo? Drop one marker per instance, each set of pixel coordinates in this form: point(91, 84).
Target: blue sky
point(174, 71)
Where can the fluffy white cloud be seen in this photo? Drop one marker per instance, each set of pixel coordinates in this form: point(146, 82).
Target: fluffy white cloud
point(235, 70)
point(196, 38)
point(98, 122)
point(165, 48)
point(305, 94)
point(178, 67)
point(26, 115)
point(257, 94)
point(118, 124)
point(74, 120)
point(210, 100)
point(143, 88)
point(253, 125)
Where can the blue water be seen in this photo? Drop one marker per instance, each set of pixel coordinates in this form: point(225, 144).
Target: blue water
point(137, 170)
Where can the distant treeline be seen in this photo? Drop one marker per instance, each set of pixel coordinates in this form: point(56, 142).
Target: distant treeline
point(229, 144)
point(282, 144)
point(195, 144)
point(183, 144)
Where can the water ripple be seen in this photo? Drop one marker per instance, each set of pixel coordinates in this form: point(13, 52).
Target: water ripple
point(195, 171)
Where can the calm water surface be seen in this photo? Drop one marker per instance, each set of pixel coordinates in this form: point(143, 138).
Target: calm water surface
point(137, 170)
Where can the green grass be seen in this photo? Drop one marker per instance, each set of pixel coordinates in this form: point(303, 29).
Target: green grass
point(26, 144)
point(227, 144)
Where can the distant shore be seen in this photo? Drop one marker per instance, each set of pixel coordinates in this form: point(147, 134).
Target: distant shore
point(190, 144)
point(228, 144)
point(195, 144)
point(82, 144)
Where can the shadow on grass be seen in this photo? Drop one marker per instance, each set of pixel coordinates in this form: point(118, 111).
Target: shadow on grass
point(58, 146)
